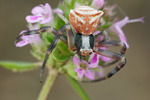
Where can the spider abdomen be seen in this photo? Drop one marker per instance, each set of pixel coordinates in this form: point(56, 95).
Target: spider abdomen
point(85, 19)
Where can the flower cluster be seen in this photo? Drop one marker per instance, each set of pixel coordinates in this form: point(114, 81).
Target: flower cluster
point(43, 15)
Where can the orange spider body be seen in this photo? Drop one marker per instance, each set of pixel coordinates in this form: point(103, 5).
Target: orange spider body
point(85, 19)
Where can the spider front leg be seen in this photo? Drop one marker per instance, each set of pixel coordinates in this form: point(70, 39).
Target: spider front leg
point(69, 32)
point(42, 30)
point(112, 55)
point(64, 28)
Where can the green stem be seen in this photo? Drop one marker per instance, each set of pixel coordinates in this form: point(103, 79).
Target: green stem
point(78, 88)
point(48, 84)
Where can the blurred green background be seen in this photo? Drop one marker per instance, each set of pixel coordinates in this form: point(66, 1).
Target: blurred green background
point(131, 83)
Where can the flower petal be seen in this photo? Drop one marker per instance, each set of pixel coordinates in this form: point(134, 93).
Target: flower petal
point(59, 11)
point(76, 61)
point(37, 10)
point(80, 72)
point(97, 4)
point(48, 10)
point(96, 32)
point(122, 36)
point(33, 19)
point(22, 43)
point(100, 73)
point(116, 28)
point(124, 40)
point(46, 20)
point(122, 22)
point(35, 39)
point(137, 20)
point(119, 24)
point(89, 74)
point(94, 62)
point(105, 59)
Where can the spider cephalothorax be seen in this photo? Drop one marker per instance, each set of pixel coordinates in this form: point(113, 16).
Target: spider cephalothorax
point(84, 44)
point(85, 21)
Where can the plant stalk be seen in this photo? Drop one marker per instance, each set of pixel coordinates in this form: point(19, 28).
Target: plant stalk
point(52, 75)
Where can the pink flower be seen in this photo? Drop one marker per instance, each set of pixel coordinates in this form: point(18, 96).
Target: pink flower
point(29, 39)
point(84, 68)
point(42, 14)
point(117, 28)
point(57, 10)
point(97, 4)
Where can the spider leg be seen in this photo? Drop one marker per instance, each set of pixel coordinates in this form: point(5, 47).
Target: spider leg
point(106, 37)
point(70, 35)
point(113, 44)
point(70, 38)
point(42, 30)
point(53, 44)
point(50, 49)
point(112, 55)
point(63, 18)
point(90, 58)
point(105, 34)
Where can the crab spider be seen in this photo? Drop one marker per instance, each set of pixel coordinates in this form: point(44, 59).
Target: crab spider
point(85, 21)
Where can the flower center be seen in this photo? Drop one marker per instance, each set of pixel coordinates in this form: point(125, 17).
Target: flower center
point(83, 65)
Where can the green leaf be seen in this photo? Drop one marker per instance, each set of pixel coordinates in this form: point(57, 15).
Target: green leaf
point(18, 66)
point(59, 56)
point(107, 25)
point(64, 49)
point(78, 88)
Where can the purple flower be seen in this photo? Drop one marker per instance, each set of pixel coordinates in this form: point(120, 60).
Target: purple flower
point(97, 4)
point(29, 39)
point(84, 68)
point(42, 14)
point(116, 28)
point(57, 10)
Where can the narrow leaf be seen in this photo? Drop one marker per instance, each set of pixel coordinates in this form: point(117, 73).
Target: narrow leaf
point(78, 88)
point(18, 66)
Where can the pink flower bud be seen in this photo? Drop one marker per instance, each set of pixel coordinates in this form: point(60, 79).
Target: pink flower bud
point(97, 4)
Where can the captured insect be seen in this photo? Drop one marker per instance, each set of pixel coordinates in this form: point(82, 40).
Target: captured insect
point(84, 20)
